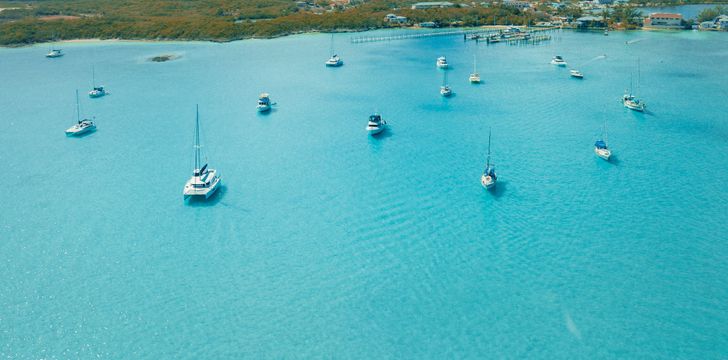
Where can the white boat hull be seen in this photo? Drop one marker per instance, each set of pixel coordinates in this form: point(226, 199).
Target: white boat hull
point(206, 192)
point(374, 130)
point(558, 63)
point(603, 153)
point(474, 79)
point(75, 131)
point(263, 108)
point(487, 181)
point(632, 106)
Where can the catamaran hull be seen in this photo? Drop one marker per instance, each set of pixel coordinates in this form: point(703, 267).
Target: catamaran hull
point(202, 193)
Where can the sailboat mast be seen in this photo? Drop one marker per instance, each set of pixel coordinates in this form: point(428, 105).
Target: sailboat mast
point(93, 76)
point(197, 137)
point(331, 50)
point(606, 136)
point(475, 64)
point(487, 165)
point(78, 109)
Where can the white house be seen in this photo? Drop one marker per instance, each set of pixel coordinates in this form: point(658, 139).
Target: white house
point(664, 20)
point(394, 19)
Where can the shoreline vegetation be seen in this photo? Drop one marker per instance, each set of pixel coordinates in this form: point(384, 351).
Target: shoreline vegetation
point(25, 23)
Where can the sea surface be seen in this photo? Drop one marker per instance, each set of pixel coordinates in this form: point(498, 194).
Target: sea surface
point(328, 243)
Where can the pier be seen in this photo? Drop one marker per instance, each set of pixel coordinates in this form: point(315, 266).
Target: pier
point(486, 34)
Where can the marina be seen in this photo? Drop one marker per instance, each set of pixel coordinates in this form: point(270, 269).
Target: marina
point(325, 240)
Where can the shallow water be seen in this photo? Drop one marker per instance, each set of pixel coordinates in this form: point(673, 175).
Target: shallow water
point(326, 242)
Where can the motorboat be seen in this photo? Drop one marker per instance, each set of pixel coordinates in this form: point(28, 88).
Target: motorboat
point(264, 103)
point(441, 63)
point(376, 124)
point(55, 53)
point(576, 74)
point(558, 61)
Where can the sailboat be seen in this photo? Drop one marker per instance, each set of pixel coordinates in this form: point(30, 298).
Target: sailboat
point(600, 146)
point(334, 60)
point(81, 126)
point(488, 178)
point(204, 181)
point(445, 89)
point(475, 77)
point(98, 91)
point(631, 101)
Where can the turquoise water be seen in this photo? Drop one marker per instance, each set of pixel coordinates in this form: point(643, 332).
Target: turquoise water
point(327, 243)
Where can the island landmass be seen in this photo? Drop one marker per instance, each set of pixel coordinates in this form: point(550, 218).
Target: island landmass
point(37, 21)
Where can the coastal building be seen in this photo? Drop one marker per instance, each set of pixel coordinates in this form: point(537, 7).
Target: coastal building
point(588, 22)
point(518, 4)
point(395, 19)
point(664, 20)
point(432, 5)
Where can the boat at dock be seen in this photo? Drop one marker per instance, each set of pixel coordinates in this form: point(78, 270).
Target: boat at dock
point(442, 63)
point(81, 126)
point(558, 61)
point(204, 181)
point(376, 124)
point(488, 178)
point(474, 78)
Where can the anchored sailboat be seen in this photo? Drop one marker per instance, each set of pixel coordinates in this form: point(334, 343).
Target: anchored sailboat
point(631, 101)
point(445, 89)
point(601, 148)
point(98, 91)
point(204, 181)
point(488, 178)
point(475, 77)
point(81, 126)
point(334, 60)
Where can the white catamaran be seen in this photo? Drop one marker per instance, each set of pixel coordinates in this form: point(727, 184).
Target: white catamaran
point(630, 100)
point(475, 77)
point(334, 60)
point(204, 181)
